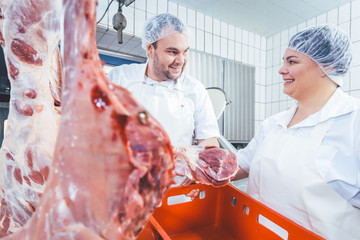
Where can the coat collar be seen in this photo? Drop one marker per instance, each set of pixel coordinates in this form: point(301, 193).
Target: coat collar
point(171, 83)
point(339, 104)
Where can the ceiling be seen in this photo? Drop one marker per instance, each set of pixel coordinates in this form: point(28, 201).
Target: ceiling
point(264, 17)
point(107, 43)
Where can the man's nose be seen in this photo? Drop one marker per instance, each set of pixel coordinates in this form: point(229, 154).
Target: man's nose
point(180, 58)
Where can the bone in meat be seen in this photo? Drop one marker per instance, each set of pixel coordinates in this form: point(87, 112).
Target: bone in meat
point(29, 35)
point(113, 162)
point(208, 165)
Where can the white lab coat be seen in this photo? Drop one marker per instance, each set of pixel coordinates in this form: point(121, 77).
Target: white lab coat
point(183, 107)
point(310, 172)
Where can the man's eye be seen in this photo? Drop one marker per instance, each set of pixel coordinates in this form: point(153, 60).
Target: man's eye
point(291, 62)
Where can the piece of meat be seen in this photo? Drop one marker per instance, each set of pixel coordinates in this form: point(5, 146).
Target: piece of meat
point(208, 165)
point(29, 35)
point(113, 162)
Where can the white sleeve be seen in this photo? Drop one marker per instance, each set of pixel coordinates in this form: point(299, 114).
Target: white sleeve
point(355, 199)
point(205, 120)
point(246, 155)
point(110, 75)
point(115, 75)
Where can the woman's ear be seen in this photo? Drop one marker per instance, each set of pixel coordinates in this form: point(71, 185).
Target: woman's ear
point(325, 72)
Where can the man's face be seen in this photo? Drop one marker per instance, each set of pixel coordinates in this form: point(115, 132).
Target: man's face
point(168, 60)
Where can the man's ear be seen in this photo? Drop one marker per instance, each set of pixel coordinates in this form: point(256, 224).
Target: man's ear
point(150, 50)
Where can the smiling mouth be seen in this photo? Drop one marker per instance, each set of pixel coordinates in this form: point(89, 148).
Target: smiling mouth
point(289, 81)
point(175, 68)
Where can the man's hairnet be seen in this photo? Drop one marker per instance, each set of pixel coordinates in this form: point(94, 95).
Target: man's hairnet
point(161, 26)
point(328, 46)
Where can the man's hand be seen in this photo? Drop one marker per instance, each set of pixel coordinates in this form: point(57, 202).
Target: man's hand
point(193, 194)
point(205, 164)
point(208, 142)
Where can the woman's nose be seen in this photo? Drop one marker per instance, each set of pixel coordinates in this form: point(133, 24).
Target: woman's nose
point(282, 69)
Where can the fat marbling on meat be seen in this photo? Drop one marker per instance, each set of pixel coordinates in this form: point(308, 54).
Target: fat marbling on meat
point(207, 165)
point(112, 163)
point(29, 36)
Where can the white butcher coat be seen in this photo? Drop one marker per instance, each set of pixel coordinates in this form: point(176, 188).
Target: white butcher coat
point(183, 107)
point(310, 172)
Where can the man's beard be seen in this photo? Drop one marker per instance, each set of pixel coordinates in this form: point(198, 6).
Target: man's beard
point(159, 71)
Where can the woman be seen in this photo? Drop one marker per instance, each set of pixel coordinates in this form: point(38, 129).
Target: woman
point(305, 162)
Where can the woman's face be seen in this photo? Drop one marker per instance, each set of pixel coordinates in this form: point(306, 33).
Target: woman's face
point(302, 76)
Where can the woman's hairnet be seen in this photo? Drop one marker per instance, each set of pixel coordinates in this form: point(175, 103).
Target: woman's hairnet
point(161, 26)
point(328, 46)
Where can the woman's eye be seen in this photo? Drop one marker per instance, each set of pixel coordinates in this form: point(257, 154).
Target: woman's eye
point(291, 62)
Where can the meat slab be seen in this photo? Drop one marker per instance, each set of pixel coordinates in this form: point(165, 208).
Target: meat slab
point(112, 163)
point(29, 35)
point(208, 165)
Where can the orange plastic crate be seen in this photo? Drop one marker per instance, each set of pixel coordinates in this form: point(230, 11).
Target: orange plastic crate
point(223, 213)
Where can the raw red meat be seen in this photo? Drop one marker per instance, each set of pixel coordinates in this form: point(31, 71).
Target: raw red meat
point(29, 35)
point(208, 165)
point(113, 162)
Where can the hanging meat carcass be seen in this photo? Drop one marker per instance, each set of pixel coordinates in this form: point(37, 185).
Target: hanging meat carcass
point(113, 162)
point(29, 35)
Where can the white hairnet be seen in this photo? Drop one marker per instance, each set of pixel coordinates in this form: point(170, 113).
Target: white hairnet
point(328, 46)
point(161, 26)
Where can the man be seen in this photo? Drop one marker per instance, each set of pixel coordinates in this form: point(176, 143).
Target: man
point(179, 102)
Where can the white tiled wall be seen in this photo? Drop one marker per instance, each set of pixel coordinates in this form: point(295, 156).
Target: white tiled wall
point(213, 36)
point(346, 17)
point(210, 35)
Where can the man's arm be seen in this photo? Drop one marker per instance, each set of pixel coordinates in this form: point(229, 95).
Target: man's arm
point(209, 142)
point(240, 174)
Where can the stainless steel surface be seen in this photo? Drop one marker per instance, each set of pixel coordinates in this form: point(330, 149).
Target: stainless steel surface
point(224, 143)
point(238, 81)
point(240, 184)
point(239, 116)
